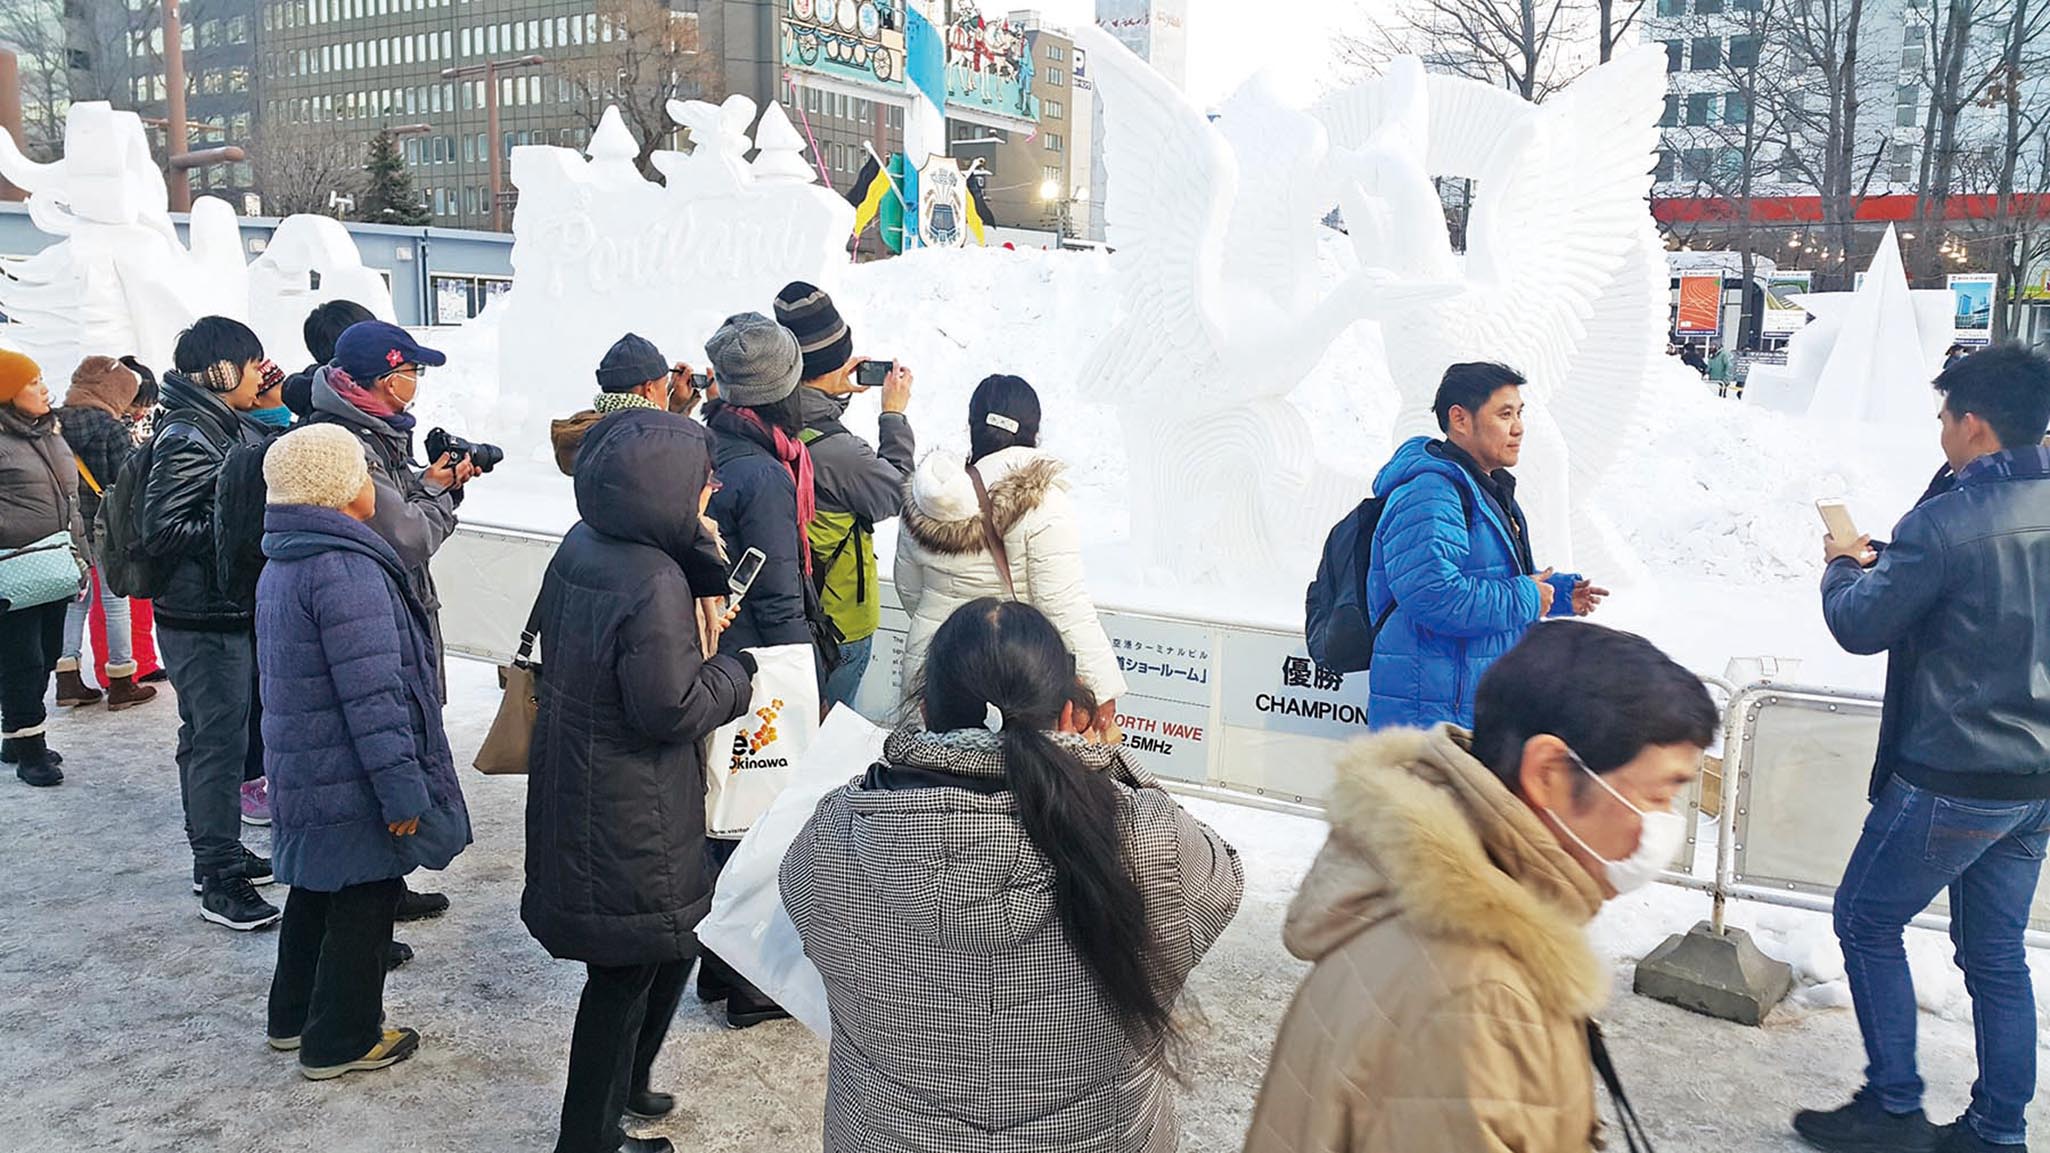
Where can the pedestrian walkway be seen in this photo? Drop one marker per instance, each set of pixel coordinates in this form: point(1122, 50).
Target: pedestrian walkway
point(132, 1024)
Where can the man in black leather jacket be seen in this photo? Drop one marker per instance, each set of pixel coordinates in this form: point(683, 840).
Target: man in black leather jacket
point(206, 632)
point(1960, 601)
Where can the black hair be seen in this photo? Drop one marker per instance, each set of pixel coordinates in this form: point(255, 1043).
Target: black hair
point(1608, 694)
point(1008, 654)
point(147, 393)
point(1469, 386)
point(786, 414)
point(1009, 398)
point(215, 340)
point(2007, 386)
point(326, 324)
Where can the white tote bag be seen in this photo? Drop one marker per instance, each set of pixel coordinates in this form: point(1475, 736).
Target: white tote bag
point(747, 926)
point(750, 759)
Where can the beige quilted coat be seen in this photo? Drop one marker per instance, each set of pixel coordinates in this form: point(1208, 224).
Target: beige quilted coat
point(1446, 1010)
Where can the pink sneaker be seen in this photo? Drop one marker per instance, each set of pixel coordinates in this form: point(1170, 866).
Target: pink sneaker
point(256, 802)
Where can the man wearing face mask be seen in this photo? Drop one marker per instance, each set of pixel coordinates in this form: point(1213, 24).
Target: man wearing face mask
point(368, 389)
point(1449, 1006)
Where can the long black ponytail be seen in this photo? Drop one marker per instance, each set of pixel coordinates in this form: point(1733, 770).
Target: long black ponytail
point(1010, 655)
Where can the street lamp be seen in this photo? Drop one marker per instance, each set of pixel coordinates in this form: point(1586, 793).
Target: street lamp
point(490, 70)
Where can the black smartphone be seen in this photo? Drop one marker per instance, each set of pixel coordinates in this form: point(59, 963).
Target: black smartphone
point(874, 373)
point(699, 381)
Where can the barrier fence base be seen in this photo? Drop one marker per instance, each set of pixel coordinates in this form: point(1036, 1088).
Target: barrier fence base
point(1716, 974)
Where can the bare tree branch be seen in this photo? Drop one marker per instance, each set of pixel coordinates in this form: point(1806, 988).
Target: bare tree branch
point(651, 59)
point(297, 166)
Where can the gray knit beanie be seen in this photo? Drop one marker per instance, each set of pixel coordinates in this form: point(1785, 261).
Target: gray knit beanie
point(755, 361)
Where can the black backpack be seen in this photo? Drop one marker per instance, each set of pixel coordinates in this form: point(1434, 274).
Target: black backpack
point(1335, 618)
point(125, 568)
point(240, 495)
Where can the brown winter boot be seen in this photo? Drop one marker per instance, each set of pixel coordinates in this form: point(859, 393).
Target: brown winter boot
point(72, 690)
point(124, 693)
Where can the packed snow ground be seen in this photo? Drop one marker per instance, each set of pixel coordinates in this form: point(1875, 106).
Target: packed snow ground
point(134, 1026)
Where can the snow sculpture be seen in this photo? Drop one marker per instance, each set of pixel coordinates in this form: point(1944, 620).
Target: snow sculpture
point(599, 251)
point(1216, 229)
point(1869, 356)
point(305, 250)
point(120, 281)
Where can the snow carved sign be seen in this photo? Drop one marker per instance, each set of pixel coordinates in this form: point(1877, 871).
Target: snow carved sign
point(599, 251)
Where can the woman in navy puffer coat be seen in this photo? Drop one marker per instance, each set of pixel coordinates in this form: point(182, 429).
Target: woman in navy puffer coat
point(363, 788)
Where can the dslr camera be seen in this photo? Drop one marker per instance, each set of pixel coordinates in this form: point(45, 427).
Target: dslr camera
point(441, 442)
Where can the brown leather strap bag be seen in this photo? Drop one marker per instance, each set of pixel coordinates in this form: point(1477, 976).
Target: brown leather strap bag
point(991, 537)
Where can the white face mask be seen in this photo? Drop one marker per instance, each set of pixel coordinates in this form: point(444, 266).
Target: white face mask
point(1659, 838)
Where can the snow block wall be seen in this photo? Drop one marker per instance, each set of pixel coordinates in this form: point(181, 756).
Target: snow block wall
point(599, 250)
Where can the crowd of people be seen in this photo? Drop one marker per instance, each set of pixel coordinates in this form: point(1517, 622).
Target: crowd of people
point(1005, 906)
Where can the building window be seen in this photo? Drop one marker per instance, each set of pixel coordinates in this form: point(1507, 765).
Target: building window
point(1676, 55)
point(80, 61)
point(1743, 51)
point(1671, 117)
point(1706, 55)
point(1668, 162)
point(1056, 53)
point(1707, 7)
point(1736, 109)
point(1056, 77)
point(1054, 143)
point(1055, 110)
point(1672, 7)
point(1903, 163)
point(1700, 108)
point(1695, 164)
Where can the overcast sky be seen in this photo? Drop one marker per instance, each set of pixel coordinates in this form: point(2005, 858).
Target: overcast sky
point(1231, 39)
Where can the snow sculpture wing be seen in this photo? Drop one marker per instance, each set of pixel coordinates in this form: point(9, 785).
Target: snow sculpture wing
point(1282, 193)
point(1166, 214)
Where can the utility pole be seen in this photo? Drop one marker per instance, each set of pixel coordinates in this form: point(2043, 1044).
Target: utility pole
point(177, 147)
point(490, 70)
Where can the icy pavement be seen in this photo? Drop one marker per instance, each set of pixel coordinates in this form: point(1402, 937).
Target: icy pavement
point(132, 1025)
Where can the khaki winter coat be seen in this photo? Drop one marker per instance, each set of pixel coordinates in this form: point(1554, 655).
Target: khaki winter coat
point(1446, 1010)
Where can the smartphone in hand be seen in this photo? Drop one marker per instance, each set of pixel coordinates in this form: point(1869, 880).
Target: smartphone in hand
point(744, 575)
point(874, 373)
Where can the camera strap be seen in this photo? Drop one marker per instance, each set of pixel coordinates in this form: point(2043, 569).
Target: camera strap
point(991, 538)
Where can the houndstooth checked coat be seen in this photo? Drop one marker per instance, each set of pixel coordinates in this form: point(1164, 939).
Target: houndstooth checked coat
point(963, 1022)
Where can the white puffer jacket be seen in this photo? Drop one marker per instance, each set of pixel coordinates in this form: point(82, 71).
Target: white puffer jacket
point(943, 564)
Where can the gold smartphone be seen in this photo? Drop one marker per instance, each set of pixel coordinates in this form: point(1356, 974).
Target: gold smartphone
point(1836, 516)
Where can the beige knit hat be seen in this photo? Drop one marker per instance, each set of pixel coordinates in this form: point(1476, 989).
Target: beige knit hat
point(316, 464)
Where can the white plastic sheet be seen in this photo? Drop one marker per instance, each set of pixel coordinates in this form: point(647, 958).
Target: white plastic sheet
point(747, 925)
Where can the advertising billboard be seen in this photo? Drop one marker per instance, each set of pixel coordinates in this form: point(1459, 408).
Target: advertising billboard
point(1974, 294)
point(1701, 303)
point(856, 40)
point(1782, 315)
point(989, 66)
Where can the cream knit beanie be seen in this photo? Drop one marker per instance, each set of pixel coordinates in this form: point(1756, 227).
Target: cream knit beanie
point(316, 464)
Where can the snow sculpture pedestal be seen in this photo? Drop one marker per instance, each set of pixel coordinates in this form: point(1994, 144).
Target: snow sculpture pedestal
point(598, 251)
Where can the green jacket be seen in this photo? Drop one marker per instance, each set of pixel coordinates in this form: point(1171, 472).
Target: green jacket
point(858, 487)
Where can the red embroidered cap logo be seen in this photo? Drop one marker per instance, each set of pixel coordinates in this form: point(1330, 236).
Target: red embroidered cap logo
point(395, 358)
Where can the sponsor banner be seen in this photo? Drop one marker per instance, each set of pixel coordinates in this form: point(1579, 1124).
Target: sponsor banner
point(1701, 303)
point(1169, 667)
point(1271, 683)
point(1782, 315)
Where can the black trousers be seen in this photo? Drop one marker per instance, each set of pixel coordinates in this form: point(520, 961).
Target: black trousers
point(214, 676)
point(329, 986)
point(622, 1019)
point(31, 640)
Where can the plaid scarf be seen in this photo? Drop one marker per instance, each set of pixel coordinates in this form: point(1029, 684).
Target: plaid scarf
point(607, 403)
point(2027, 463)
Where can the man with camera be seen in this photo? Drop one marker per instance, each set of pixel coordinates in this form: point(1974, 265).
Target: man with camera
point(856, 487)
point(368, 389)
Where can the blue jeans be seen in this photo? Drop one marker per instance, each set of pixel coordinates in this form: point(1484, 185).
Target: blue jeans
point(846, 680)
point(1988, 854)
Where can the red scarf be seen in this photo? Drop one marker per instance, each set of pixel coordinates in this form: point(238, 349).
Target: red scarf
point(797, 458)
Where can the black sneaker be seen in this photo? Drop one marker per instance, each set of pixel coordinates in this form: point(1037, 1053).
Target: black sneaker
point(256, 869)
point(420, 906)
point(397, 955)
point(647, 1145)
point(232, 901)
point(746, 1009)
point(1863, 1127)
point(1960, 1137)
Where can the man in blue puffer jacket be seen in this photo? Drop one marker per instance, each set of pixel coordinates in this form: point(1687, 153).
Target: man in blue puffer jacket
point(1452, 553)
